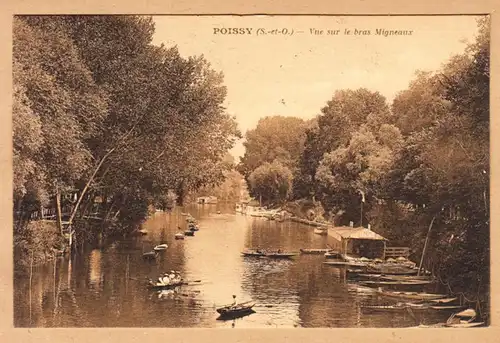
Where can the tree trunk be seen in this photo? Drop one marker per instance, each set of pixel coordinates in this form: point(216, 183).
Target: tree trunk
point(180, 193)
point(425, 245)
point(87, 185)
point(59, 214)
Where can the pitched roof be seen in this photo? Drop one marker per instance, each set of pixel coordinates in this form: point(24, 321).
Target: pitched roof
point(346, 232)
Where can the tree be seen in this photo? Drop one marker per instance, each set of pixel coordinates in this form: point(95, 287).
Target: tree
point(351, 174)
point(343, 115)
point(272, 182)
point(275, 138)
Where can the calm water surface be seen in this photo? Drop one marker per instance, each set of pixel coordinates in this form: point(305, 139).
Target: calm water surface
point(106, 287)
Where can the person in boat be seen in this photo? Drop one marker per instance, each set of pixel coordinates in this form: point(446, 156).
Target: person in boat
point(279, 251)
point(234, 301)
point(165, 280)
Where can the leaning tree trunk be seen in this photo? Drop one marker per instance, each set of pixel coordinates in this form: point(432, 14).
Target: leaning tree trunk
point(180, 194)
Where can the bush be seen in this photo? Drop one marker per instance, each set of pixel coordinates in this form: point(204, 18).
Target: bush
point(37, 239)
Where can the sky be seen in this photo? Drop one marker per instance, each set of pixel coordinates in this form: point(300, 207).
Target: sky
point(296, 74)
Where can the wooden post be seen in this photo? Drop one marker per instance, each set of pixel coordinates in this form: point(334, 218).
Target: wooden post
point(425, 246)
point(58, 207)
point(31, 279)
point(361, 221)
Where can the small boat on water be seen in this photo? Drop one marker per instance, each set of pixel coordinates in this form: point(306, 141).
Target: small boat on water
point(463, 319)
point(179, 236)
point(410, 295)
point(315, 251)
point(395, 283)
point(160, 247)
point(188, 233)
point(321, 231)
point(405, 306)
point(406, 277)
point(267, 253)
point(160, 285)
point(236, 309)
point(343, 263)
point(193, 227)
point(184, 214)
point(150, 255)
point(143, 231)
point(332, 254)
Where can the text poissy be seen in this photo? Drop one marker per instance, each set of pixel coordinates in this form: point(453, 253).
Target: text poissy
point(232, 31)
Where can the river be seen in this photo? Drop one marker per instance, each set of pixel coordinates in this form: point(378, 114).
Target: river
point(106, 287)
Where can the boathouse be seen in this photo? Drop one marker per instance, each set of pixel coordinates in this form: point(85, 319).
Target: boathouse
point(357, 242)
point(207, 200)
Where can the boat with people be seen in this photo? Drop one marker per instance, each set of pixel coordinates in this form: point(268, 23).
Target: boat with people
point(160, 247)
point(235, 309)
point(167, 280)
point(268, 253)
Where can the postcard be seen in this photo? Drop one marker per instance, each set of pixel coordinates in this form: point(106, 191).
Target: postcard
point(259, 171)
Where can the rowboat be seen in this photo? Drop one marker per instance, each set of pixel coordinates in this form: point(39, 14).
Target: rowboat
point(236, 310)
point(407, 306)
point(160, 285)
point(463, 319)
point(396, 283)
point(273, 254)
point(321, 231)
point(143, 232)
point(179, 236)
point(315, 251)
point(188, 233)
point(332, 254)
point(411, 295)
point(160, 247)
point(193, 228)
point(150, 255)
point(343, 263)
point(406, 278)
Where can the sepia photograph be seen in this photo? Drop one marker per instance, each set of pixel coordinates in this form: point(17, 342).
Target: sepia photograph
point(251, 171)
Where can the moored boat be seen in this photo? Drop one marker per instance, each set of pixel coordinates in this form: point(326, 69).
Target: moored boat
point(267, 253)
point(396, 283)
point(321, 231)
point(315, 251)
point(160, 247)
point(188, 233)
point(332, 254)
point(344, 263)
point(150, 255)
point(464, 319)
point(179, 236)
point(410, 295)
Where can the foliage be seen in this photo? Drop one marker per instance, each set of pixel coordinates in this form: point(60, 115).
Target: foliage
point(272, 182)
point(275, 138)
point(100, 111)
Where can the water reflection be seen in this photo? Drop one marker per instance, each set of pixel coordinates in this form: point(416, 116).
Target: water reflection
point(106, 287)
